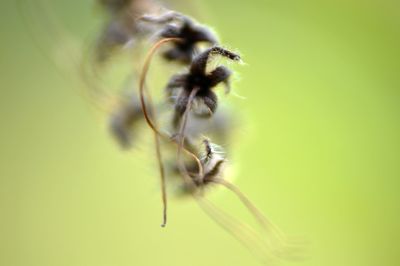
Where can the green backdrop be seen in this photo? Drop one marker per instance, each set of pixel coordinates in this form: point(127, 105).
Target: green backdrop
point(317, 150)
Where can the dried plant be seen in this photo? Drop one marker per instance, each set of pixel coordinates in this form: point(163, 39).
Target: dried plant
point(191, 102)
point(121, 27)
point(190, 35)
point(208, 169)
point(191, 96)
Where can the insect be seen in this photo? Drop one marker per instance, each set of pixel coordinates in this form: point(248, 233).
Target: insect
point(191, 106)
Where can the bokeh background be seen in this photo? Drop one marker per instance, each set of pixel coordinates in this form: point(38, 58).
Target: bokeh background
point(318, 150)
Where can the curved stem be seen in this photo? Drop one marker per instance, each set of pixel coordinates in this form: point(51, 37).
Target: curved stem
point(156, 138)
point(153, 126)
point(142, 101)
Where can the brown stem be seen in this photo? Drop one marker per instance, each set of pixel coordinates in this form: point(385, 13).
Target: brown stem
point(181, 137)
point(152, 125)
point(160, 164)
point(144, 108)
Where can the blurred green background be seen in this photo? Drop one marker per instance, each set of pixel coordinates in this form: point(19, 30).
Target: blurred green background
point(318, 151)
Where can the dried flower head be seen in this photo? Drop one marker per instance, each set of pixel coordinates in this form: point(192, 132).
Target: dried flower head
point(124, 119)
point(121, 27)
point(189, 33)
point(114, 6)
point(212, 160)
point(202, 81)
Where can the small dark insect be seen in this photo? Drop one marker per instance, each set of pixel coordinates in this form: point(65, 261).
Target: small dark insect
point(198, 79)
point(189, 33)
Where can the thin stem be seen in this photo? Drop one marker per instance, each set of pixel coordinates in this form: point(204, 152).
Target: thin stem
point(163, 185)
point(156, 136)
point(160, 165)
point(181, 136)
point(152, 124)
point(142, 101)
